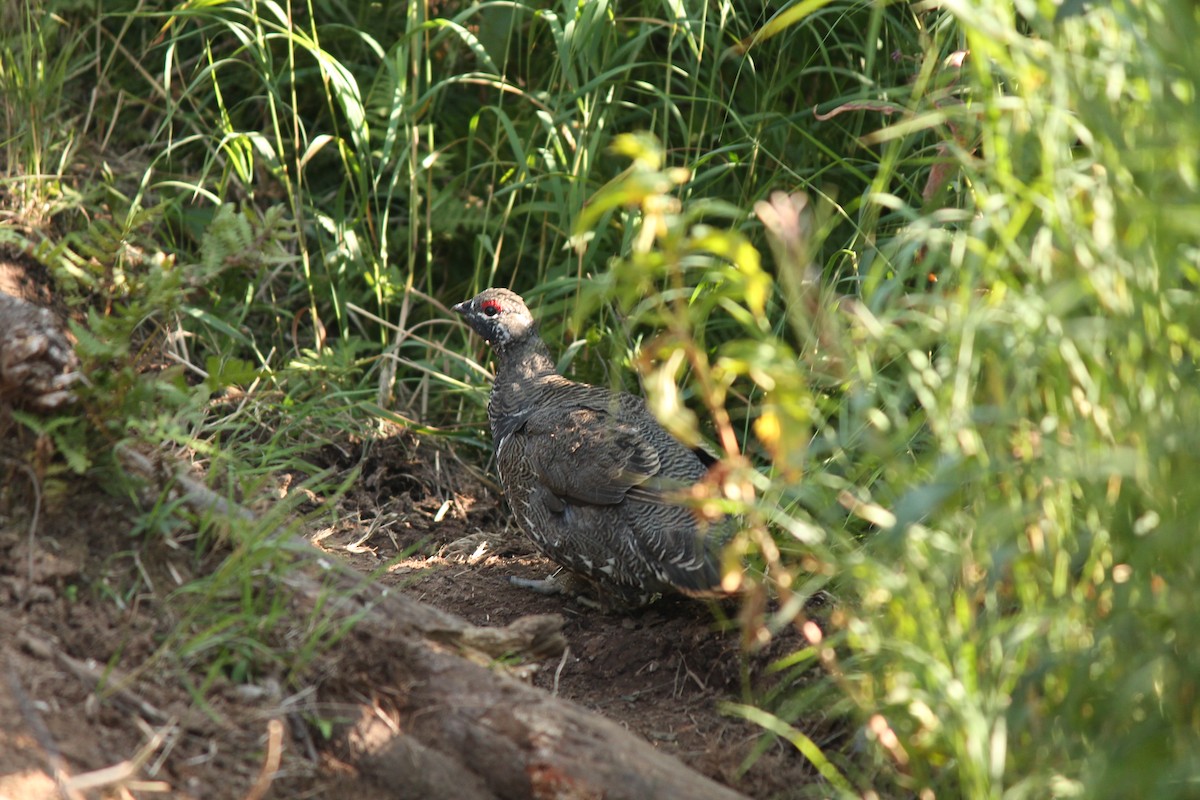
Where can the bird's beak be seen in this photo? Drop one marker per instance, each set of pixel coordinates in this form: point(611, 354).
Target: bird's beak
point(459, 308)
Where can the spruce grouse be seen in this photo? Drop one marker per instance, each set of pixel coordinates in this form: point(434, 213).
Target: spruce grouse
point(589, 473)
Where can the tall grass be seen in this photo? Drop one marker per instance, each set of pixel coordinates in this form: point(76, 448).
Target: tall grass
point(959, 393)
point(1014, 441)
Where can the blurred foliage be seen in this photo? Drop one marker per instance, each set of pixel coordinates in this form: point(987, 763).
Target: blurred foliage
point(1011, 436)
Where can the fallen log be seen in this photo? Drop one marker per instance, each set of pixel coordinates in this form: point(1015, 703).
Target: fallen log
point(463, 730)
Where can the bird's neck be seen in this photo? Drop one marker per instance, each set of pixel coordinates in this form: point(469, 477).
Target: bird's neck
point(524, 361)
point(521, 368)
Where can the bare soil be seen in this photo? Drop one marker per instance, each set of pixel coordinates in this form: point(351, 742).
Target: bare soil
point(84, 690)
point(80, 695)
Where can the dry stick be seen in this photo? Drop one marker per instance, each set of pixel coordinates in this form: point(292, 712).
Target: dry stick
point(124, 772)
point(198, 496)
point(558, 672)
point(89, 674)
point(270, 765)
point(54, 760)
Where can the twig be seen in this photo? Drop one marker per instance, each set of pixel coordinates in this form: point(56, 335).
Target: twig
point(270, 765)
point(123, 772)
point(198, 496)
point(677, 689)
point(91, 675)
point(562, 662)
point(695, 677)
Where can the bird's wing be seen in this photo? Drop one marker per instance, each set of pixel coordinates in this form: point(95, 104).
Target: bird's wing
point(586, 454)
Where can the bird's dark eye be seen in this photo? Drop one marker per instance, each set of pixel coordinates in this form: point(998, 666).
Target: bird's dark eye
point(490, 308)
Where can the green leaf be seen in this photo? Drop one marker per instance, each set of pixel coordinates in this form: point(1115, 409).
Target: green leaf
point(228, 371)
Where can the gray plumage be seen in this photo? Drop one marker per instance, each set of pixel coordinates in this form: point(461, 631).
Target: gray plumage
point(589, 473)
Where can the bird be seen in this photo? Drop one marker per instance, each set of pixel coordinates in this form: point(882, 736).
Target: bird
point(591, 476)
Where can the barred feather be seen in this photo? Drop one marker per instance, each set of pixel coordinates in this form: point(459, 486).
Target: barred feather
point(589, 473)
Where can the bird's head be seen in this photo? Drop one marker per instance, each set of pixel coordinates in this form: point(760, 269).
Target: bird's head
point(499, 316)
